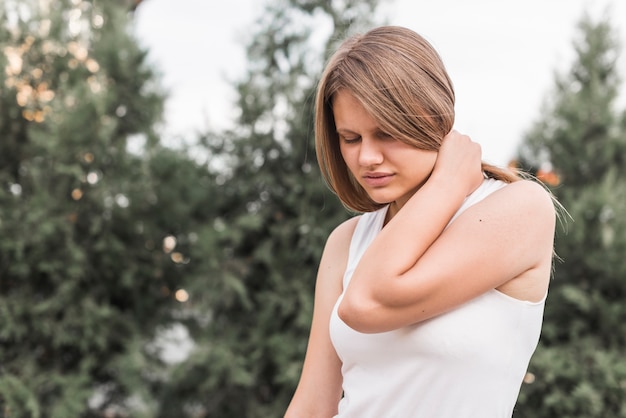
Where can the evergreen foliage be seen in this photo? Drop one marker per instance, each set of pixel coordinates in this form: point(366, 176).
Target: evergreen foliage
point(579, 366)
point(86, 286)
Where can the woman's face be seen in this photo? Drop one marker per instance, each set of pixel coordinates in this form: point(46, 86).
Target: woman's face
point(389, 170)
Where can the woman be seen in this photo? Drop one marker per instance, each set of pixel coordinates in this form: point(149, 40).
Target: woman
point(430, 303)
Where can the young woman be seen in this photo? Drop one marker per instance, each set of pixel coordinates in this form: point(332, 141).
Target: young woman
point(430, 303)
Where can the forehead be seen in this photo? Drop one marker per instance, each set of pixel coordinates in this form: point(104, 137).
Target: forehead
point(349, 113)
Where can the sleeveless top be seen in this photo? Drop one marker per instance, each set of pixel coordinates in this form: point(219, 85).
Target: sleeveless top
point(466, 363)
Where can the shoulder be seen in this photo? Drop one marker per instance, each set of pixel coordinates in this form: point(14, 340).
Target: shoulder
point(337, 249)
point(529, 195)
point(334, 262)
point(516, 208)
point(339, 239)
point(519, 208)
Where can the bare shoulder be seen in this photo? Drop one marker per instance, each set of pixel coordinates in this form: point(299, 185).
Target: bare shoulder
point(339, 239)
point(526, 210)
point(527, 197)
point(523, 208)
point(335, 257)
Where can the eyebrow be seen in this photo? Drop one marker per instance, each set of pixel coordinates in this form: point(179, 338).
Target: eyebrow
point(343, 131)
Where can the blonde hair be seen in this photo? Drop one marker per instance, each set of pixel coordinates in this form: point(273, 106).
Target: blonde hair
point(402, 82)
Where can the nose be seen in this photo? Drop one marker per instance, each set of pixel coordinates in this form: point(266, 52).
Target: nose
point(370, 152)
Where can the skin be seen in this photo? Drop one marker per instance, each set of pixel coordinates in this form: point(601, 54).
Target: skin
point(503, 242)
point(390, 171)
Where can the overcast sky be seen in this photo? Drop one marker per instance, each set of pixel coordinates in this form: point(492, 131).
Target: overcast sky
point(501, 56)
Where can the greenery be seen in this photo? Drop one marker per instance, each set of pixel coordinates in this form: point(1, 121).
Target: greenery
point(113, 243)
point(581, 138)
point(88, 198)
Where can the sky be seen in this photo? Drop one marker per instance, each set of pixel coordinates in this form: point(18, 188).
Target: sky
point(501, 55)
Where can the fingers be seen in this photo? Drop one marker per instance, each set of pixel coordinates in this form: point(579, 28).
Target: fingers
point(460, 142)
point(457, 148)
point(459, 160)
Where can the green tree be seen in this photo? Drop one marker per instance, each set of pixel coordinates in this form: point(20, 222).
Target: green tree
point(579, 366)
point(272, 218)
point(96, 217)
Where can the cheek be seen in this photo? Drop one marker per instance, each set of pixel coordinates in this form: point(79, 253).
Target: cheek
point(348, 156)
point(345, 156)
point(431, 160)
point(424, 163)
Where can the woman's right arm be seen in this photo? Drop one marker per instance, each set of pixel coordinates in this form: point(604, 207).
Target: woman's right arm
point(319, 389)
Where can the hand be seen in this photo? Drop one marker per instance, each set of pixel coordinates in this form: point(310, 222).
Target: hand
point(459, 161)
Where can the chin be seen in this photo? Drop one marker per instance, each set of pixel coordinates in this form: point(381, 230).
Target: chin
point(381, 199)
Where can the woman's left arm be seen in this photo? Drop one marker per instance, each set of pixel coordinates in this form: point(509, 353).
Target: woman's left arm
point(416, 268)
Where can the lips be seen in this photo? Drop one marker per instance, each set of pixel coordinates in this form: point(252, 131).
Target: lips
point(377, 179)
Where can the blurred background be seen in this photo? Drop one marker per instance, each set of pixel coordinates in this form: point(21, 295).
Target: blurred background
point(162, 214)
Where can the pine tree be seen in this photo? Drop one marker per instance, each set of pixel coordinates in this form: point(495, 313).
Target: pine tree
point(579, 367)
point(272, 218)
point(96, 217)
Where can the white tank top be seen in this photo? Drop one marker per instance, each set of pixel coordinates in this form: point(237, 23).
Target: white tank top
point(466, 363)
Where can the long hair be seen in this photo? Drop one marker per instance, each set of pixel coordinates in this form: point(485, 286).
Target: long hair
point(401, 81)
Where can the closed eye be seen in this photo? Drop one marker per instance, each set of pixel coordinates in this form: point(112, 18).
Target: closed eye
point(350, 140)
point(384, 135)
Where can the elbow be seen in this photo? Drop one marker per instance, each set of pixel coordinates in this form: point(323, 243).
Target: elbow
point(360, 315)
point(370, 312)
